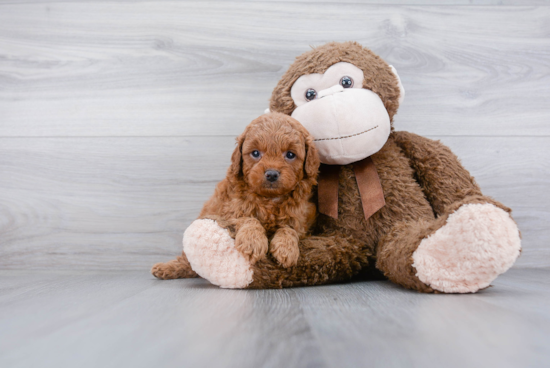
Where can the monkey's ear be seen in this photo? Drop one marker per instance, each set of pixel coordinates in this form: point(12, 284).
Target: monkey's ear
point(312, 162)
point(235, 169)
point(401, 88)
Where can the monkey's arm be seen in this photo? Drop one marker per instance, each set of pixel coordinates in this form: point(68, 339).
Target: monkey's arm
point(439, 172)
point(322, 260)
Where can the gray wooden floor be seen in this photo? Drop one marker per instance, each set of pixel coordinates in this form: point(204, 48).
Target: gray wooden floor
point(128, 319)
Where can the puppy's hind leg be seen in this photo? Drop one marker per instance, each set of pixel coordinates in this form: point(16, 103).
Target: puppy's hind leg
point(178, 268)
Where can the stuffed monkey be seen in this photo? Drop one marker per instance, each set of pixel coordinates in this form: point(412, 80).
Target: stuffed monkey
point(390, 202)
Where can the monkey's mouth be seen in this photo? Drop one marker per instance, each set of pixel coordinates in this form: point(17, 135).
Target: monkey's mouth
point(346, 136)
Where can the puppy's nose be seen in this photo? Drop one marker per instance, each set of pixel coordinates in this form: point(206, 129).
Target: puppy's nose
point(272, 175)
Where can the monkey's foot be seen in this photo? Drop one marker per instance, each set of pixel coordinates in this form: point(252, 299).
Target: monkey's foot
point(212, 254)
point(478, 243)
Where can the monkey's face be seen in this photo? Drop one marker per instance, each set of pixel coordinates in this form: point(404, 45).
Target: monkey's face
point(347, 121)
point(345, 96)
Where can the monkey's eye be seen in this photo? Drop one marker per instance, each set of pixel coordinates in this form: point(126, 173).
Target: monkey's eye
point(290, 155)
point(311, 94)
point(255, 154)
point(346, 82)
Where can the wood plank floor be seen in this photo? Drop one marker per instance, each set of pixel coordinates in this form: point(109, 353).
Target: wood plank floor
point(129, 319)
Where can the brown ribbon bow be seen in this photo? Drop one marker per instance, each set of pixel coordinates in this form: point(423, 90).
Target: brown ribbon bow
point(368, 182)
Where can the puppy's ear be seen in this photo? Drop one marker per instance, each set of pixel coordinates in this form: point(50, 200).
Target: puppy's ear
point(237, 158)
point(312, 162)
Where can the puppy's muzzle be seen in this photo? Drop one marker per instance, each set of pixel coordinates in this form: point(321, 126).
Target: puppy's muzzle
point(272, 175)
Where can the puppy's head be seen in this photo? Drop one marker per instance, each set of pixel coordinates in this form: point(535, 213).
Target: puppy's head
point(274, 154)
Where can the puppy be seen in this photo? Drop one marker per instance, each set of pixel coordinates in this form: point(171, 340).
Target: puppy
point(265, 199)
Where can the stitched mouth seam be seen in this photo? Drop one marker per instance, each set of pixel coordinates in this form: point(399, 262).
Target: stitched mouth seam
point(346, 136)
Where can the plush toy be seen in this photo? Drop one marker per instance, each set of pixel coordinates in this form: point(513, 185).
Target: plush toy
point(390, 202)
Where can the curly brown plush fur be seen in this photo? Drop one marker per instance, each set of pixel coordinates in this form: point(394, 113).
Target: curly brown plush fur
point(424, 184)
point(256, 209)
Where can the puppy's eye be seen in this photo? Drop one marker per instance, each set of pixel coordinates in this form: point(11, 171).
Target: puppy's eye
point(311, 94)
point(290, 155)
point(255, 154)
point(346, 82)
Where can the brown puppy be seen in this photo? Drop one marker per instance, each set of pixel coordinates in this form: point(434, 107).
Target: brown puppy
point(267, 191)
point(266, 194)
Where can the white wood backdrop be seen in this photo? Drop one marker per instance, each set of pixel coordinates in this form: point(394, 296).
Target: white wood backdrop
point(118, 118)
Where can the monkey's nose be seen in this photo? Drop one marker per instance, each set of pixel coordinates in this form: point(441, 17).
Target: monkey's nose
point(272, 175)
point(330, 91)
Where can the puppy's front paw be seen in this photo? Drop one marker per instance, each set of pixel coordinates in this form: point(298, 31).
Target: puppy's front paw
point(252, 244)
point(284, 247)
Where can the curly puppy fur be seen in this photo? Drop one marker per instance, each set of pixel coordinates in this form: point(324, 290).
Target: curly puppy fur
point(256, 209)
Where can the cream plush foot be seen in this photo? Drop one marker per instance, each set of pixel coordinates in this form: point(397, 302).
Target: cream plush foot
point(211, 253)
point(478, 243)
